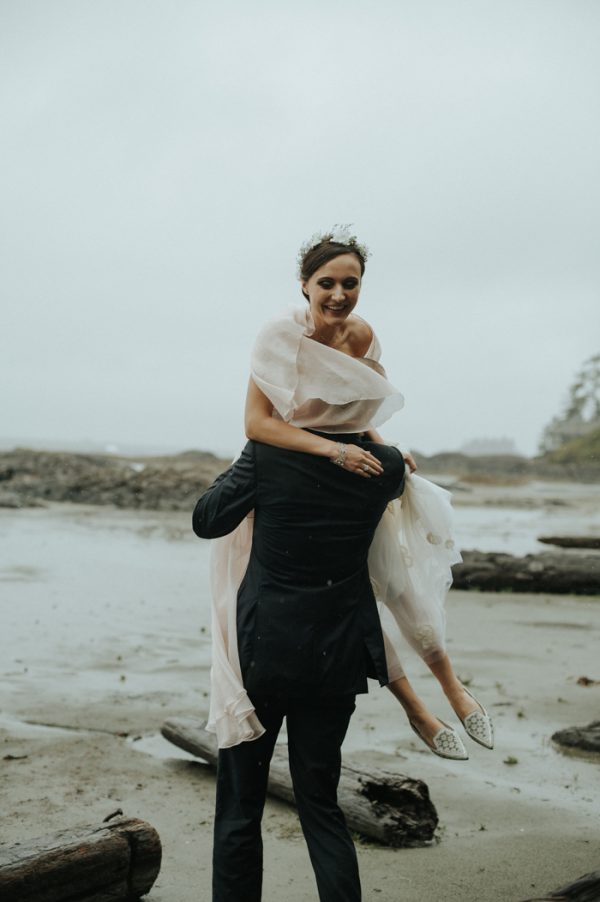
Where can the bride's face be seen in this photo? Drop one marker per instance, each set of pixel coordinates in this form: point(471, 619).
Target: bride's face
point(333, 290)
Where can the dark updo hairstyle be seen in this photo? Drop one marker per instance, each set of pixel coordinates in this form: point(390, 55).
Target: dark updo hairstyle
point(322, 253)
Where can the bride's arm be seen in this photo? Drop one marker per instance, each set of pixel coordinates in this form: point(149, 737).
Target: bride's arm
point(261, 426)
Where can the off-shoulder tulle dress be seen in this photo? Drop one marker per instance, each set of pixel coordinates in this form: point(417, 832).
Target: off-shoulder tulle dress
point(314, 386)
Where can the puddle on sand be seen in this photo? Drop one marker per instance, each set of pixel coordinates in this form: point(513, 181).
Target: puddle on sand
point(153, 744)
point(22, 729)
point(159, 747)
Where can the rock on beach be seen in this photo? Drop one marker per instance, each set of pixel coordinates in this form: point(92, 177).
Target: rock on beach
point(586, 738)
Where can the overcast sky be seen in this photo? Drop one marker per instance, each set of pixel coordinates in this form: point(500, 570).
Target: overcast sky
point(161, 163)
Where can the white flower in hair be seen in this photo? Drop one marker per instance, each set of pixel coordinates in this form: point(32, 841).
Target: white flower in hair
point(339, 234)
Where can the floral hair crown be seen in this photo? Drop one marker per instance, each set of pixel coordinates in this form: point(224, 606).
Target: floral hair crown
point(339, 234)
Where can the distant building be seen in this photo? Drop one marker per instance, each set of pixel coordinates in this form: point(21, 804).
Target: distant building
point(478, 447)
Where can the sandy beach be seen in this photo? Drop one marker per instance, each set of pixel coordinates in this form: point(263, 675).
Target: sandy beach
point(105, 633)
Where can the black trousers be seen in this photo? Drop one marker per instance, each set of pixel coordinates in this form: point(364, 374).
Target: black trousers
point(316, 730)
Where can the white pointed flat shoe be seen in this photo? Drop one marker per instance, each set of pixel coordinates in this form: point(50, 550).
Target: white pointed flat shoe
point(478, 725)
point(446, 743)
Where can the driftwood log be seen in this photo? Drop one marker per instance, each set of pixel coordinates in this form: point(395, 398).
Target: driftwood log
point(585, 889)
point(392, 809)
point(553, 572)
point(591, 542)
point(116, 861)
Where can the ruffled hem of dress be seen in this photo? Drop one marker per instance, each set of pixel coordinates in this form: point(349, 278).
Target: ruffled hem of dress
point(237, 723)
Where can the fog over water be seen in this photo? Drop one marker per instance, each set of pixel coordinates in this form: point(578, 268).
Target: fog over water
point(162, 162)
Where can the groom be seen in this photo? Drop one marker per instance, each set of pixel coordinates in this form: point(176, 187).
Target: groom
point(308, 637)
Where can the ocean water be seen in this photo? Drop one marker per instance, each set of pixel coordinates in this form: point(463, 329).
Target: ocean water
point(516, 530)
point(512, 518)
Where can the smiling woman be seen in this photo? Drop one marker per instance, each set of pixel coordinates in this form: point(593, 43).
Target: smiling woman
point(330, 271)
point(317, 387)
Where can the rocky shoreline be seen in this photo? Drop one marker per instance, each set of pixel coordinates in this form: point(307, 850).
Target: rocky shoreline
point(30, 478)
point(508, 468)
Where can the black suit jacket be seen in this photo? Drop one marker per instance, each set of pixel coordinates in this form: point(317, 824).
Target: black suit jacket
point(307, 618)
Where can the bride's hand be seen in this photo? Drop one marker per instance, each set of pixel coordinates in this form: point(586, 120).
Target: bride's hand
point(409, 461)
point(359, 461)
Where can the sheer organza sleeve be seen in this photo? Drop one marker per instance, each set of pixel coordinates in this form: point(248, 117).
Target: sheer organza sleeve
point(274, 364)
point(317, 387)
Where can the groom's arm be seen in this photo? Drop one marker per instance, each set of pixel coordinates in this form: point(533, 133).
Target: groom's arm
point(229, 499)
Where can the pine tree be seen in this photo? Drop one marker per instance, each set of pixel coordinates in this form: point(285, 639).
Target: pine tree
point(581, 413)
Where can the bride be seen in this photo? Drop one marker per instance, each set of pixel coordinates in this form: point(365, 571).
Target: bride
point(317, 369)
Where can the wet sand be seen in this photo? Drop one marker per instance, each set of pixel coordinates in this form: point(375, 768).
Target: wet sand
point(105, 633)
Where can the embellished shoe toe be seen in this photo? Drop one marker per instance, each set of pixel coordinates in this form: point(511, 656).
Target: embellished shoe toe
point(478, 725)
point(446, 743)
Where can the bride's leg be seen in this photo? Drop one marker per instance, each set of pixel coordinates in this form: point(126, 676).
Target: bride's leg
point(426, 723)
point(473, 715)
point(423, 721)
point(460, 700)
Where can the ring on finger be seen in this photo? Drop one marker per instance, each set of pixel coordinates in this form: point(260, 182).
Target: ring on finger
point(366, 468)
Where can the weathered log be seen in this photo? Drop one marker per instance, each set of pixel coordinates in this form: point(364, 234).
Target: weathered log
point(586, 738)
point(553, 572)
point(591, 542)
point(584, 889)
point(392, 809)
point(116, 861)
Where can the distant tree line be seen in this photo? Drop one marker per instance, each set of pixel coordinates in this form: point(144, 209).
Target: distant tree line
point(581, 413)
